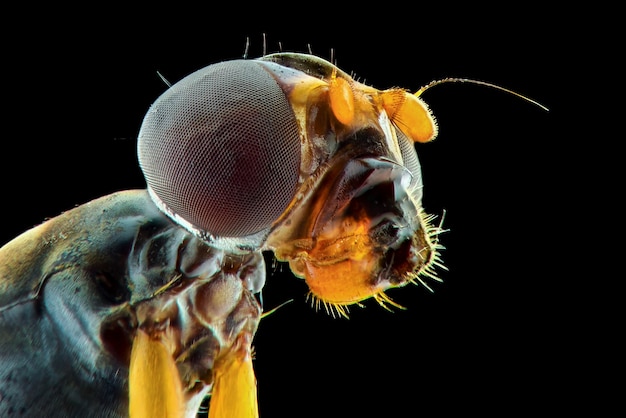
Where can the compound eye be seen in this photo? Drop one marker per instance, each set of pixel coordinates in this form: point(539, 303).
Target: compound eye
point(221, 149)
point(411, 162)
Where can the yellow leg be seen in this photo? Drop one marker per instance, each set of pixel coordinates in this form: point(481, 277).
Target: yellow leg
point(155, 388)
point(234, 388)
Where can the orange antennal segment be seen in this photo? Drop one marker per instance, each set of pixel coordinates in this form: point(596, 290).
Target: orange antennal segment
point(341, 99)
point(481, 83)
point(410, 114)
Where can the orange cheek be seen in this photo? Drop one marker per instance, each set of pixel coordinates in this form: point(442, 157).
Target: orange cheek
point(345, 282)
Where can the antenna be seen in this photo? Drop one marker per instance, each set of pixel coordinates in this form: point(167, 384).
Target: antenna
point(481, 83)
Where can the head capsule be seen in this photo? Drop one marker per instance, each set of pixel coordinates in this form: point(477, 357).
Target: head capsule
point(289, 153)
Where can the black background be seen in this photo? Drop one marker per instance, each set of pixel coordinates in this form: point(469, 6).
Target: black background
point(491, 338)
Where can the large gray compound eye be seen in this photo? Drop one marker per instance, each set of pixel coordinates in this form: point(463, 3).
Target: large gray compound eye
point(221, 149)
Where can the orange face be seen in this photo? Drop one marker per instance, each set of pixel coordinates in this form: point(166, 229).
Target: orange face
point(356, 226)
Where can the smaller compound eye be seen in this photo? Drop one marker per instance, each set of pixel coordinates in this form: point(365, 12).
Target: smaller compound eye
point(221, 149)
point(411, 162)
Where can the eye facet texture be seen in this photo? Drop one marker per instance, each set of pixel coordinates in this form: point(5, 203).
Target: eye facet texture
point(412, 163)
point(221, 149)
